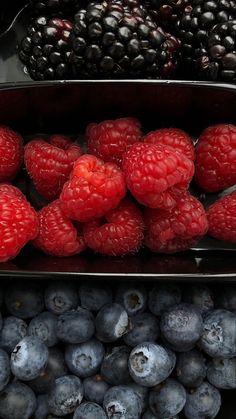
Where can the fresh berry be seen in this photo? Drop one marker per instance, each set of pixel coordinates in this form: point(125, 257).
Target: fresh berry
point(176, 229)
point(204, 402)
point(42, 409)
point(166, 12)
point(85, 359)
point(112, 323)
point(163, 296)
point(65, 395)
point(191, 368)
point(49, 163)
point(89, 410)
point(5, 371)
point(227, 298)
point(167, 399)
point(222, 218)
point(17, 401)
point(132, 298)
point(201, 296)
point(145, 328)
point(75, 326)
point(221, 373)
point(61, 296)
point(215, 159)
point(110, 139)
point(44, 326)
point(54, 7)
point(122, 401)
point(11, 153)
point(120, 233)
point(24, 300)
point(93, 297)
point(94, 188)
point(114, 368)
point(58, 235)
point(95, 388)
point(13, 330)
point(156, 175)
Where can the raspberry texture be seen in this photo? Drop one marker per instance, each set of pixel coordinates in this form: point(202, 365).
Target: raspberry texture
point(216, 158)
point(49, 163)
point(18, 222)
point(58, 236)
point(93, 189)
point(120, 233)
point(222, 218)
point(156, 175)
point(178, 229)
point(173, 137)
point(110, 139)
point(11, 153)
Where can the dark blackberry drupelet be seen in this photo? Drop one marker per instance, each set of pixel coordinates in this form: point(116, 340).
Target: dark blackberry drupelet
point(58, 8)
point(119, 39)
point(166, 12)
point(46, 49)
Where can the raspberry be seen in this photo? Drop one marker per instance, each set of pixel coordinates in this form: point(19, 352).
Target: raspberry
point(110, 139)
point(178, 229)
point(11, 153)
point(18, 222)
point(222, 218)
point(173, 137)
point(215, 158)
point(120, 233)
point(156, 175)
point(94, 188)
point(58, 236)
point(49, 163)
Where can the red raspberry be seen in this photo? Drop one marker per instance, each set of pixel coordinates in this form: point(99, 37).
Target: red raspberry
point(119, 234)
point(49, 163)
point(18, 222)
point(222, 218)
point(58, 236)
point(11, 153)
point(156, 175)
point(173, 137)
point(178, 229)
point(94, 188)
point(110, 139)
point(216, 157)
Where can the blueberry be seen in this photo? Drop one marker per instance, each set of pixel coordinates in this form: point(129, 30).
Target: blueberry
point(149, 364)
point(112, 322)
point(122, 402)
point(203, 403)
point(162, 297)
point(29, 358)
point(191, 368)
point(44, 326)
point(142, 393)
point(93, 297)
point(75, 326)
point(149, 415)
point(172, 357)
point(89, 410)
point(24, 300)
point(17, 401)
point(41, 411)
point(145, 328)
point(219, 334)
point(12, 332)
point(181, 326)
point(85, 358)
point(167, 399)
point(95, 388)
point(114, 368)
point(66, 395)
point(132, 298)
point(227, 299)
point(5, 371)
point(61, 297)
point(222, 373)
point(200, 296)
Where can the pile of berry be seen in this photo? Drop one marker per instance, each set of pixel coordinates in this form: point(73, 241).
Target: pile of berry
point(130, 190)
point(128, 352)
point(79, 39)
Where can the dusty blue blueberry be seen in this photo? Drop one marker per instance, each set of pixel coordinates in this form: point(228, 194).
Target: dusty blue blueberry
point(5, 370)
point(12, 332)
point(75, 326)
point(142, 393)
point(219, 334)
point(132, 298)
point(24, 300)
point(167, 399)
point(65, 396)
point(201, 296)
point(17, 401)
point(114, 368)
point(203, 403)
point(122, 402)
point(145, 328)
point(61, 297)
point(181, 326)
point(227, 298)
point(149, 364)
point(84, 359)
point(222, 373)
point(94, 296)
point(149, 415)
point(89, 410)
point(112, 322)
point(44, 326)
point(162, 297)
point(95, 388)
point(42, 411)
point(191, 368)
point(29, 358)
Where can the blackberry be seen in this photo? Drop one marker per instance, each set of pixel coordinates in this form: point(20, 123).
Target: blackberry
point(58, 8)
point(166, 12)
point(45, 50)
point(119, 39)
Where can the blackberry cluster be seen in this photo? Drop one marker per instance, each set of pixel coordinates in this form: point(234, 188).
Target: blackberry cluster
point(167, 12)
point(57, 8)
